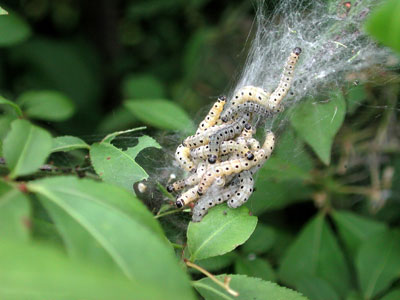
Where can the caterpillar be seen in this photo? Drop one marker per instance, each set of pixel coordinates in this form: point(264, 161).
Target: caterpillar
point(286, 78)
point(187, 197)
point(209, 200)
point(213, 115)
point(182, 156)
point(244, 190)
point(226, 147)
point(236, 166)
point(225, 133)
point(203, 138)
point(260, 109)
point(191, 180)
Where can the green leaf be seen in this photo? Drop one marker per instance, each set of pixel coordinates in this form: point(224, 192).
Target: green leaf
point(12, 104)
point(5, 125)
point(118, 119)
point(3, 11)
point(316, 288)
point(221, 231)
point(384, 25)
point(248, 288)
point(378, 262)
point(121, 225)
point(355, 96)
point(254, 267)
point(68, 143)
point(392, 295)
point(14, 213)
point(317, 123)
point(160, 113)
point(46, 105)
point(142, 87)
point(13, 30)
point(119, 167)
point(36, 272)
point(261, 240)
point(316, 253)
point(26, 148)
point(355, 229)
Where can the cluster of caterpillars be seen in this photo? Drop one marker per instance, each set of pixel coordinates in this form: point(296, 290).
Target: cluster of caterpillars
point(222, 157)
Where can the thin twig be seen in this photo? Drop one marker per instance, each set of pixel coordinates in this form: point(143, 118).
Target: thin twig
point(224, 285)
point(170, 212)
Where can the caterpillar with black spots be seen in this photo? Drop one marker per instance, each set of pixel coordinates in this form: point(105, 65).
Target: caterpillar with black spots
point(286, 78)
point(224, 134)
point(236, 166)
point(213, 115)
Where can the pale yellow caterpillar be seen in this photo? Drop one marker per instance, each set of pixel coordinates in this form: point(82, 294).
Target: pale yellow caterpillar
point(203, 138)
point(182, 156)
point(286, 78)
point(226, 147)
point(236, 166)
point(191, 180)
point(213, 115)
point(187, 197)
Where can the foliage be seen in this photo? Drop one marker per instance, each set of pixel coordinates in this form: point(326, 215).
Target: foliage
point(74, 224)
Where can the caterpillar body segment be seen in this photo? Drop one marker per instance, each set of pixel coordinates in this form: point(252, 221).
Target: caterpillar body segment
point(213, 115)
point(227, 147)
point(229, 167)
point(254, 108)
point(286, 78)
point(182, 156)
point(226, 133)
point(244, 190)
point(203, 138)
point(250, 93)
point(211, 199)
point(187, 197)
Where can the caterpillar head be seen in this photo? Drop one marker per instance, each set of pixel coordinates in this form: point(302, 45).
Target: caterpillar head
point(179, 203)
point(297, 50)
point(212, 159)
point(170, 188)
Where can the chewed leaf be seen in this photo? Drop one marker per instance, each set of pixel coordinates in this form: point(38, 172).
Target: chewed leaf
point(117, 166)
point(221, 231)
point(317, 123)
point(26, 148)
point(68, 143)
point(247, 287)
